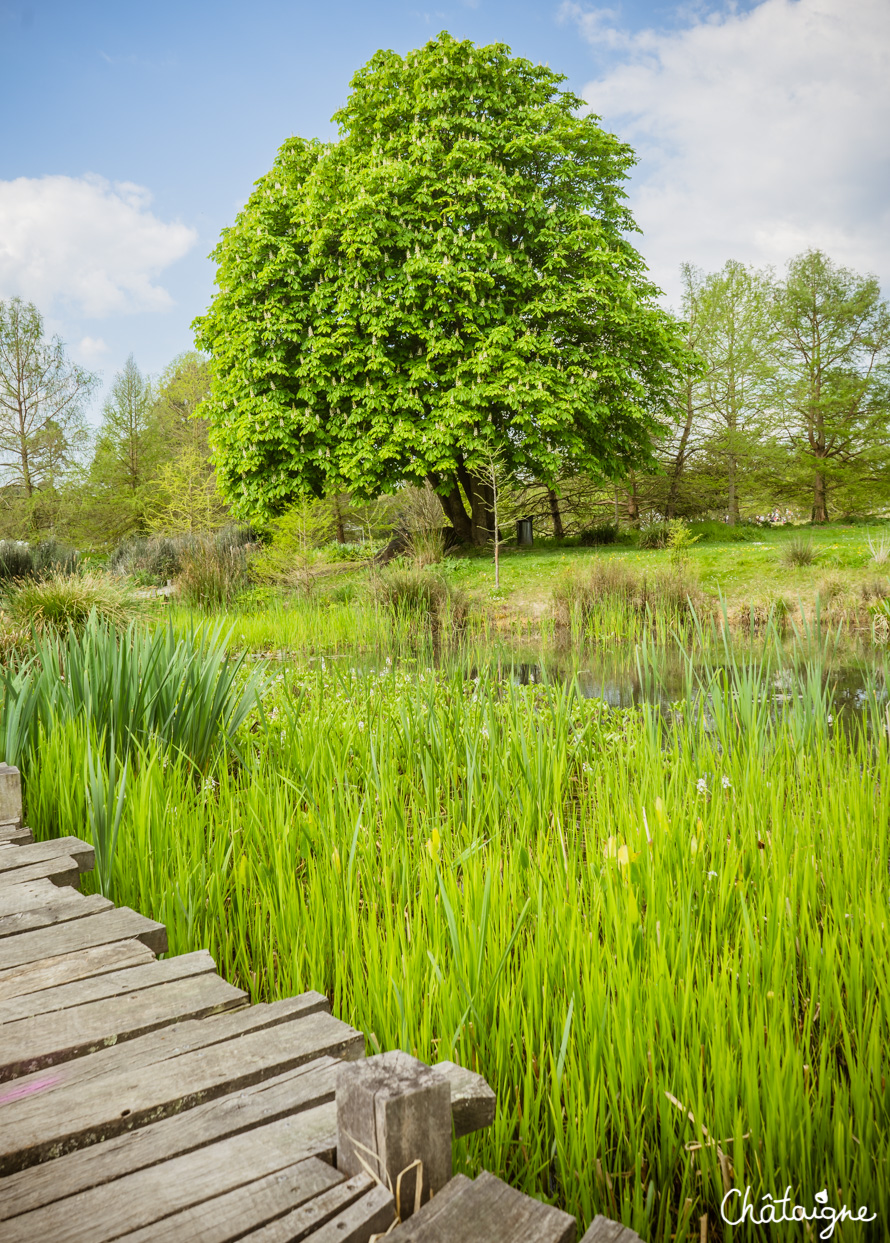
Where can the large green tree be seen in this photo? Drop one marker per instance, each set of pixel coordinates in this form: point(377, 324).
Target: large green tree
point(452, 278)
point(832, 349)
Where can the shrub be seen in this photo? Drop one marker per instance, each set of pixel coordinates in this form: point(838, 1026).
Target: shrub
point(594, 537)
point(334, 552)
point(709, 529)
point(150, 560)
point(63, 601)
point(609, 584)
point(43, 560)
point(653, 535)
point(799, 551)
point(212, 573)
point(16, 560)
point(52, 559)
point(416, 592)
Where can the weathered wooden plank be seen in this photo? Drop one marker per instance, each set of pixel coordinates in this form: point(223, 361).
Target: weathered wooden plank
point(140, 1199)
point(498, 1213)
point(114, 984)
point(32, 895)
point(305, 1087)
point(473, 1103)
point(76, 1103)
point(41, 852)
point(236, 1213)
point(15, 834)
point(604, 1230)
point(10, 793)
point(61, 870)
point(31, 1044)
point(33, 977)
point(67, 906)
point(303, 1222)
point(118, 924)
point(372, 1214)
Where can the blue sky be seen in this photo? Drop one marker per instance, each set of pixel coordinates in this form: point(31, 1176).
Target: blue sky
point(136, 132)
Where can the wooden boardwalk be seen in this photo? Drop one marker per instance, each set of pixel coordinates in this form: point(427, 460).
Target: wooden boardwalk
point(146, 1100)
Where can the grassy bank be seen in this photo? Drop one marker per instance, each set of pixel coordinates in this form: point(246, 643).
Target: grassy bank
point(620, 919)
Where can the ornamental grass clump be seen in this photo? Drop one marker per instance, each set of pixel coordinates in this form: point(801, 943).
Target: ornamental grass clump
point(68, 600)
point(799, 552)
point(416, 594)
point(608, 598)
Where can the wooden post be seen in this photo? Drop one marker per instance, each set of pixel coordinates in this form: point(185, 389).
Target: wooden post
point(393, 1111)
point(10, 795)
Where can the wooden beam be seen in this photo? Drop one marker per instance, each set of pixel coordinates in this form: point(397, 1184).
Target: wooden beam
point(33, 977)
point(305, 1087)
point(15, 857)
point(31, 1044)
point(473, 1103)
point(118, 924)
point(68, 905)
point(488, 1211)
point(84, 1101)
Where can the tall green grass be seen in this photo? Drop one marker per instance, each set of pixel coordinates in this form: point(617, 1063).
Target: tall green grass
point(620, 918)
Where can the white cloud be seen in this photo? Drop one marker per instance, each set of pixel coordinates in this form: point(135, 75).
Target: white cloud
point(759, 133)
point(85, 244)
point(90, 349)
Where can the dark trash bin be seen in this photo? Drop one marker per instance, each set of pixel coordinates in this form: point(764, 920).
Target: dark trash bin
point(524, 532)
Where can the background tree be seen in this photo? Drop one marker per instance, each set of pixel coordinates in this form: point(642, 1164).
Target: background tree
point(833, 355)
point(130, 447)
point(452, 277)
point(42, 398)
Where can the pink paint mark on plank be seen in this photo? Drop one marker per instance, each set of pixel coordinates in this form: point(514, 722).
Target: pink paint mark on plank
point(28, 1089)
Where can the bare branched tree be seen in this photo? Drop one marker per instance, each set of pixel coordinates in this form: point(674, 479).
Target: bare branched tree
point(42, 395)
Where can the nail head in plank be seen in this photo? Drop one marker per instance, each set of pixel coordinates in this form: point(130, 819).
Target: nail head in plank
point(147, 1196)
point(118, 924)
point(74, 1104)
point(114, 984)
point(67, 906)
point(473, 1103)
point(498, 1213)
point(41, 852)
point(33, 977)
point(31, 1044)
point(305, 1087)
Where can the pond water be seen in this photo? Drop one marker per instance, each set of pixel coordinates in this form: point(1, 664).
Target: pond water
point(849, 678)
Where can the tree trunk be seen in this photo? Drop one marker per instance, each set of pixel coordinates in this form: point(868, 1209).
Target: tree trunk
point(555, 514)
point(338, 519)
point(680, 458)
point(480, 496)
point(633, 504)
point(820, 499)
point(452, 503)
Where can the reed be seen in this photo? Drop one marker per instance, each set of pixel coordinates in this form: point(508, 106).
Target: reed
point(620, 917)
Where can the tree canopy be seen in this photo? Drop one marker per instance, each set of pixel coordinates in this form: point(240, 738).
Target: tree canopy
point(452, 277)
